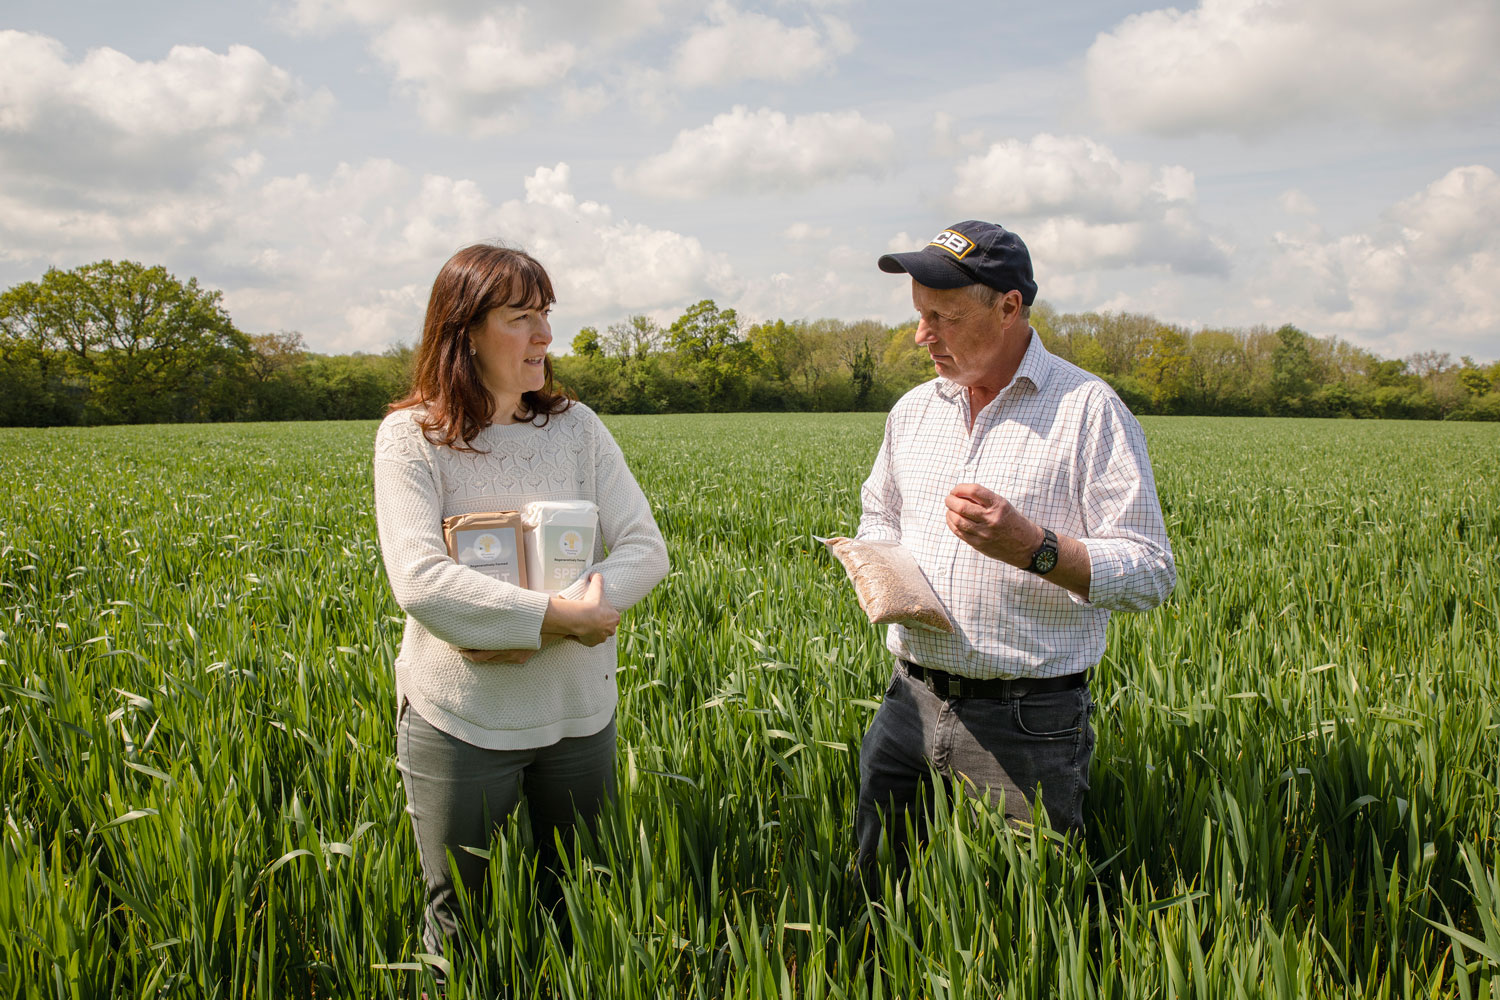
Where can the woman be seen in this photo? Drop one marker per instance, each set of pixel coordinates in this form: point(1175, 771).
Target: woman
point(503, 693)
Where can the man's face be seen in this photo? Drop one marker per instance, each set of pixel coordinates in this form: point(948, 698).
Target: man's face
point(966, 341)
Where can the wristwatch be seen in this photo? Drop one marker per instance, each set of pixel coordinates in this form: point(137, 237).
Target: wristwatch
point(1044, 559)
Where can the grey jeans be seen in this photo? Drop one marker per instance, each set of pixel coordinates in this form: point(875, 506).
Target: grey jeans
point(458, 794)
point(986, 746)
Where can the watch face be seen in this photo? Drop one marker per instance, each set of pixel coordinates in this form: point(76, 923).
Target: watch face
point(1045, 561)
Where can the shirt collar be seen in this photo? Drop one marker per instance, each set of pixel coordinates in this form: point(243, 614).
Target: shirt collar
point(1035, 368)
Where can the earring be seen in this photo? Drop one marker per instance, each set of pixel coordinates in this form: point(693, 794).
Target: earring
point(473, 350)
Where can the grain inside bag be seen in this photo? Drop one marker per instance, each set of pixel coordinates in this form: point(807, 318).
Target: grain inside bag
point(891, 587)
point(559, 542)
point(490, 542)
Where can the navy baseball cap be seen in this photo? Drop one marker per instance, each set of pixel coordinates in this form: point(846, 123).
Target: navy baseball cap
point(969, 253)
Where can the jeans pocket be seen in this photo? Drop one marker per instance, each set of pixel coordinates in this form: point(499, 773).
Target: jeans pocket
point(1055, 715)
point(894, 684)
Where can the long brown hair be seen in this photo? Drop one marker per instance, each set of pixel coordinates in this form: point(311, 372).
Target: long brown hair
point(445, 380)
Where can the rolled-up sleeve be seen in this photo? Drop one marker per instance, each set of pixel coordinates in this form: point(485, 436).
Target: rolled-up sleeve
point(1131, 567)
point(880, 496)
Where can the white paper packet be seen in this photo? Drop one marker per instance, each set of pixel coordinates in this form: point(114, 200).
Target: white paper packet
point(559, 542)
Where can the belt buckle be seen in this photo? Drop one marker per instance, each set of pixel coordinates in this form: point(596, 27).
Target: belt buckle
point(955, 686)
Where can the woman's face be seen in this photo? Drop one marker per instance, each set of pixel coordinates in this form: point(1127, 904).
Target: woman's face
point(510, 347)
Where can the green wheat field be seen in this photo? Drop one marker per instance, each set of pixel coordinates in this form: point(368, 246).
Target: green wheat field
point(1294, 791)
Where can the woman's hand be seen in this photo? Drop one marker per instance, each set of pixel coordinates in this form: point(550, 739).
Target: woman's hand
point(591, 619)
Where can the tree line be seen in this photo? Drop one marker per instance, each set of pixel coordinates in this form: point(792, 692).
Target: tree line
point(121, 342)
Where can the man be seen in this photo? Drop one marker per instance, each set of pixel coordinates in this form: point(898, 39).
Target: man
point(1021, 485)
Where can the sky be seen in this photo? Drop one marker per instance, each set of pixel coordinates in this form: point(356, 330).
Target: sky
point(1329, 163)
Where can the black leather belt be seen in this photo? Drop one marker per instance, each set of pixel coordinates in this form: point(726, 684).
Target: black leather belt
point(946, 685)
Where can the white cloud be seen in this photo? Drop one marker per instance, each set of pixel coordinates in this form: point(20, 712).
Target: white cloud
point(1430, 268)
point(1068, 175)
point(470, 65)
point(1296, 202)
point(740, 45)
point(322, 15)
point(137, 121)
point(839, 283)
point(395, 315)
point(399, 230)
point(469, 76)
point(945, 143)
point(1078, 205)
point(613, 19)
point(601, 264)
point(1455, 216)
point(803, 232)
point(192, 90)
point(1248, 66)
point(764, 151)
point(580, 102)
point(347, 258)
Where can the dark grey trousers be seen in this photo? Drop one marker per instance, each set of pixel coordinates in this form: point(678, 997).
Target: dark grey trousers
point(985, 746)
point(458, 795)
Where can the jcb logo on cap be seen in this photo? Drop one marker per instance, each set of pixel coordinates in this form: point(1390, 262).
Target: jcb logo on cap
point(957, 244)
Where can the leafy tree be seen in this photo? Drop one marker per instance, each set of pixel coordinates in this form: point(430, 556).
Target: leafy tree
point(1165, 368)
point(1292, 372)
point(121, 341)
point(400, 361)
point(1473, 378)
point(634, 337)
point(853, 345)
point(711, 356)
point(904, 363)
point(586, 344)
point(780, 346)
point(1425, 364)
point(1117, 339)
point(704, 330)
point(149, 346)
point(33, 387)
point(273, 353)
point(1217, 372)
point(351, 386)
point(862, 374)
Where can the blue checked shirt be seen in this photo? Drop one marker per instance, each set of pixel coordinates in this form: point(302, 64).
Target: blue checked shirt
point(1061, 447)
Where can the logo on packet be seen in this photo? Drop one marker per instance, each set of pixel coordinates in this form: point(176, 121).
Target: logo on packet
point(570, 543)
point(487, 546)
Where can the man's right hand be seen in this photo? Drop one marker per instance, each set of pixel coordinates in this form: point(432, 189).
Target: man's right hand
point(590, 619)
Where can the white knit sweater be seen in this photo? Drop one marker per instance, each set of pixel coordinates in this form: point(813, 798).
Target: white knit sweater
point(563, 691)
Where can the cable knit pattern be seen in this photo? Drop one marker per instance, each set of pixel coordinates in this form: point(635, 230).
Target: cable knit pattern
point(563, 691)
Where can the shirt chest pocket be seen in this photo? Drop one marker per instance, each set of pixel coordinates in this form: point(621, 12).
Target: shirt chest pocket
point(1039, 489)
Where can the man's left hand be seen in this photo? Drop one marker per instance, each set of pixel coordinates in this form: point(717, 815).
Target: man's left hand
point(988, 522)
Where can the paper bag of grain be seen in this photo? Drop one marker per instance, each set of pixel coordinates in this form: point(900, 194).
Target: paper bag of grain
point(489, 542)
point(559, 541)
point(891, 587)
